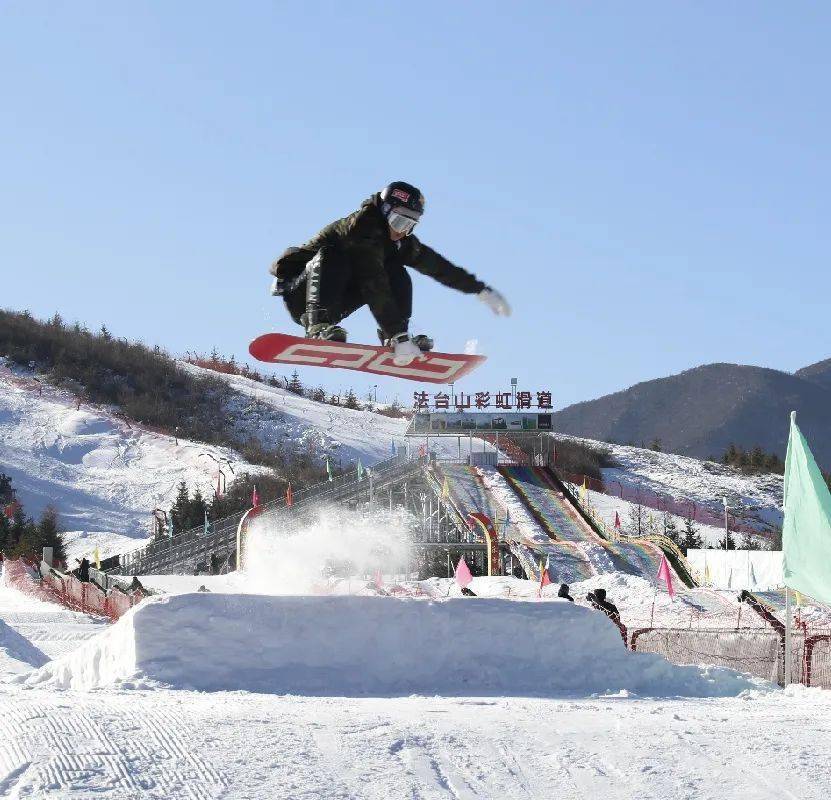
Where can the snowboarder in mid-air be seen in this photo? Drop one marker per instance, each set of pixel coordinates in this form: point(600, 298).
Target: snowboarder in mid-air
point(360, 260)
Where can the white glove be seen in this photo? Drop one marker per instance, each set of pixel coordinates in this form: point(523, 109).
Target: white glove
point(276, 287)
point(495, 302)
point(405, 352)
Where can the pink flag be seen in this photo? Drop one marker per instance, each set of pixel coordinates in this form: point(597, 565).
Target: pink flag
point(379, 581)
point(463, 576)
point(255, 498)
point(545, 578)
point(665, 575)
point(617, 520)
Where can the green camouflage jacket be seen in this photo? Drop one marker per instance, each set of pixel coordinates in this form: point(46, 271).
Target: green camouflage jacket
point(363, 237)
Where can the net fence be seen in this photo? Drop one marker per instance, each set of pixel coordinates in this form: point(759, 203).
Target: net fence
point(757, 651)
point(754, 651)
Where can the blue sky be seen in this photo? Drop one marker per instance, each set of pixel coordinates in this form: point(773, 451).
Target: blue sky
point(646, 182)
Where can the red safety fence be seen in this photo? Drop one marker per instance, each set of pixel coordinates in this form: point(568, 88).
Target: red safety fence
point(64, 588)
point(645, 497)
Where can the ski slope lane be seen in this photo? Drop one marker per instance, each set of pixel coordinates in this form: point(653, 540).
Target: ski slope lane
point(636, 557)
point(475, 490)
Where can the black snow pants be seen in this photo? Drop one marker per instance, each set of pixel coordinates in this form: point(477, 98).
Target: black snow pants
point(333, 290)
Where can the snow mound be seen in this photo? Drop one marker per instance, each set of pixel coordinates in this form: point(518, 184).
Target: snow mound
point(379, 646)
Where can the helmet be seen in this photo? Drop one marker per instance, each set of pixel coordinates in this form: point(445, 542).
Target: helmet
point(402, 195)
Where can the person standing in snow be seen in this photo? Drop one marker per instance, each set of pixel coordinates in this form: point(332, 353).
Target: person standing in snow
point(83, 571)
point(563, 592)
point(598, 599)
point(360, 260)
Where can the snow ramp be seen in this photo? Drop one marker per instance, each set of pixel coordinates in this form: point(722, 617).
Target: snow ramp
point(374, 646)
point(471, 490)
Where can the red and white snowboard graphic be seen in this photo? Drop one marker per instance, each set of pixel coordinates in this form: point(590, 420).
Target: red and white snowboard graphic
point(281, 348)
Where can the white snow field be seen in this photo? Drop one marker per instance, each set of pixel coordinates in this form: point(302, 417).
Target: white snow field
point(142, 739)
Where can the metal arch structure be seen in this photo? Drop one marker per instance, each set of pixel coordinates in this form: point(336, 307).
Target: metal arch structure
point(489, 532)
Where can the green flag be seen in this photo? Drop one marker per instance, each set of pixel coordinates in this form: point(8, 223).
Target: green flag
point(360, 470)
point(806, 533)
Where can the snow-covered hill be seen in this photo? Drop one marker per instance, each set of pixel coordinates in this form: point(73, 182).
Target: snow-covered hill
point(104, 474)
point(278, 418)
point(754, 500)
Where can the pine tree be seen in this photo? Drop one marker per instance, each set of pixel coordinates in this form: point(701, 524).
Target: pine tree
point(749, 542)
point(49, 535)
point(17, 530)
point(350, 401)
point(636, 519)
point(690, 539)
point(656, 445)
point(670, 529)
point(196, 510)
point(33, 538)
point(6, 492)
point(179, 509)
point(319, 395)
point(775, 539)
point(730, 544)
point(5, 532)
point(294, 385)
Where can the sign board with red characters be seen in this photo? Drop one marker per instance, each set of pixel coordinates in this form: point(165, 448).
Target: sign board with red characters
point(480, 401)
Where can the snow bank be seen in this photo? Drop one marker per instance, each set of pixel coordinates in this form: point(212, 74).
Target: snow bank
point(375, 646)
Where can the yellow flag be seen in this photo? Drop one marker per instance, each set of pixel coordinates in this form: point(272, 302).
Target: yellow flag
point(798, 598)
point(445, 490)
point(97, 559)
point(707, 578)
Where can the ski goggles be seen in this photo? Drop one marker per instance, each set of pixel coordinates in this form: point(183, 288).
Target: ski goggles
point(401, 223)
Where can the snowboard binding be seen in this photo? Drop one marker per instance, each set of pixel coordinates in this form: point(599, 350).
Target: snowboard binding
point(421, 341)
point(318, 326)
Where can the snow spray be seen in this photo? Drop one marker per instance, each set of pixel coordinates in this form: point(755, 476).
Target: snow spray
point(284, 556)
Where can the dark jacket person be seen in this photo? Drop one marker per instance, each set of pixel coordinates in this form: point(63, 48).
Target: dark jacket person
point(598, 599)
point(360, 260)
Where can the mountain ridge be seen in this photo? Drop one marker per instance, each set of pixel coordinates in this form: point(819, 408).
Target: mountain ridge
point(700, 411)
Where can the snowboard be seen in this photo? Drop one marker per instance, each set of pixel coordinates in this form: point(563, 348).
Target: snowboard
point(280, 348)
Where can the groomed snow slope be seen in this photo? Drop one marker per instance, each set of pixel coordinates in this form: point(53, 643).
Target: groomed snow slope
point(271, 414)
point(756, 499)
point(350, 646)
point(103, 474)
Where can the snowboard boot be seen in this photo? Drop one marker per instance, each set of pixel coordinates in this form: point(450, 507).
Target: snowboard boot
point(420, 340)
point(317, 326)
